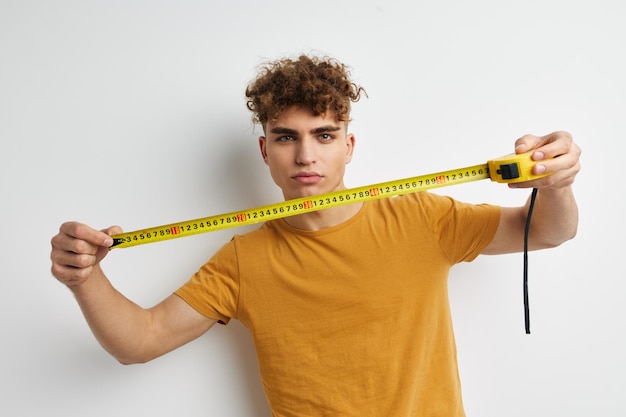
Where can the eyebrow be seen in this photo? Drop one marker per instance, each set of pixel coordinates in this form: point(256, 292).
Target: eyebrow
point(317, 130)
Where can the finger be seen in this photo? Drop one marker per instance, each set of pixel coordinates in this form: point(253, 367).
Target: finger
point(73, 259)
point(562, 169)
point(83, 232)
point(64, 242)
point(68, 264)
point(526, 143)
point(553, 145)
point(70, 275)
point(560, 154)
point(548, 146)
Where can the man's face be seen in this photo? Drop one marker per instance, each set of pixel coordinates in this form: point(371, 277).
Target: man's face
point(306, 154)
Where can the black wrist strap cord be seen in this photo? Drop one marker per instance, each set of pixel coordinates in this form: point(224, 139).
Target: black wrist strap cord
point(526, 229)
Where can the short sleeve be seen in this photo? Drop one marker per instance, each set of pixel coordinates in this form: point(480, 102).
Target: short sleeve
point(214, 289)
point(463, 230)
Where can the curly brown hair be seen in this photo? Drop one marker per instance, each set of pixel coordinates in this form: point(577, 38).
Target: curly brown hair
point(319, 84)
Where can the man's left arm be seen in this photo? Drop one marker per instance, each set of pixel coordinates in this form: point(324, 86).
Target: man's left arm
point(555, 213)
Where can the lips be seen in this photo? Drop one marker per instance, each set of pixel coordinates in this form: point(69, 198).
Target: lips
point(307, 177)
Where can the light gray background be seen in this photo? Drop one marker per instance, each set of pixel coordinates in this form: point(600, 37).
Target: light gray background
point(132, 113)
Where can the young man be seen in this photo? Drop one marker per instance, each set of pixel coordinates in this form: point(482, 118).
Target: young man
point(348, 306)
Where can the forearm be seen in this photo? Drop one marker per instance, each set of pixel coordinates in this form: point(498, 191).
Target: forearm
point(120, 325)
point(554, 219)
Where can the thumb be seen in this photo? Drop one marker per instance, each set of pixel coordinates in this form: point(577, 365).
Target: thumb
point(111, 231)
point(104, 250)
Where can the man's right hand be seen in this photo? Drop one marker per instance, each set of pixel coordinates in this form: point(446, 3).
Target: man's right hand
point(77, 249)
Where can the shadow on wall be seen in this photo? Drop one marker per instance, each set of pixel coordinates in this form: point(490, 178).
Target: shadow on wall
point(244, 182)
point(238, 341)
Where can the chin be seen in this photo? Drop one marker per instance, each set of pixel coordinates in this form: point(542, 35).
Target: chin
point(305, 192)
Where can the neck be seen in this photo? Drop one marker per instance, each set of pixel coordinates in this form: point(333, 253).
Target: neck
point(325, 218)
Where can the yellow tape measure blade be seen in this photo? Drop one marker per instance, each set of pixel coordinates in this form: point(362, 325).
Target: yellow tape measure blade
point(510, 168)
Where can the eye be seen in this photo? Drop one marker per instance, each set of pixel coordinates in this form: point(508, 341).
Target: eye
point(284, 138)
point(325, 137)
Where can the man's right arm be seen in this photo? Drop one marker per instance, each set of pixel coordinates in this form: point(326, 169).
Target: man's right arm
point(127, 331)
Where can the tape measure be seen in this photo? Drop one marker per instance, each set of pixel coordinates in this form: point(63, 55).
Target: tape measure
point(507, 169)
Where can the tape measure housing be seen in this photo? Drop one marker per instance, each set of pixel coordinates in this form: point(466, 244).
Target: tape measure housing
point(513, 168)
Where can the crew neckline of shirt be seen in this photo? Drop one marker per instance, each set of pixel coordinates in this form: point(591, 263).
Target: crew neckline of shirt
point(282, 224)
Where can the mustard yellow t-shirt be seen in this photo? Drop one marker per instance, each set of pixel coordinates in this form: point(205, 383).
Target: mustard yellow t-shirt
point(353, 320)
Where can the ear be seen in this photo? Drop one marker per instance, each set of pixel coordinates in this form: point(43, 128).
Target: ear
point(350, 143)
point(263, 148)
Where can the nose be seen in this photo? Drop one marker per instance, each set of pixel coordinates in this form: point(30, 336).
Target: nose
point(305, 152)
